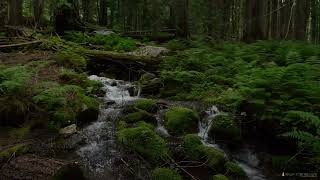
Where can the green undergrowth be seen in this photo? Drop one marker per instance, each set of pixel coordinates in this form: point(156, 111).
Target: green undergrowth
point(44, 91)
point(274, 85)
point(108, 42)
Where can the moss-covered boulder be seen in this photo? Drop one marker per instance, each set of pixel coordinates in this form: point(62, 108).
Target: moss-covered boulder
point(224, 127)
point(165, 174)
point(148, 105)
point(16, 150)
point(192, 145)
point(179, 120)
point(234, 170)
point(195, 150)
point(144, 141)
point(140, 115)
point(219, 177)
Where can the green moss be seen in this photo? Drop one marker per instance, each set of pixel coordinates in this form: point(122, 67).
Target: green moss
point(72, 60)
point(195, 150)
point(19, 132)
point(17, 150)
point(193, 145)
point(148, 105)
point(144, 141)
point(122, 125)
point(71, 77)
point(139, 116)
point(224, 128)
point(234, 170)
point(144, 124)
point(180, 120)
point(176, 45)
point(165, 174)
point(219, 177)
point(64, 103)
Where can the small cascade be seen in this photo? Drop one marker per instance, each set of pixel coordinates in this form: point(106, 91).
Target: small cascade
point(245, 158)
point(99, 152)
point(161, 130)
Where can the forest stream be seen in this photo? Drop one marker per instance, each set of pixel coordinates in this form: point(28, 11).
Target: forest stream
point(99, 155)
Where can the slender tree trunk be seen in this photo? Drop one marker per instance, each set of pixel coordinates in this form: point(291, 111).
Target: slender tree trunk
point(210, 17)
point(301, 17)
point(37, 10)
point(15, 12)
point(88, 10)
point(103, 13)
point(314, 21)
point(254, 21)
point(3, 12)
point(182, 6)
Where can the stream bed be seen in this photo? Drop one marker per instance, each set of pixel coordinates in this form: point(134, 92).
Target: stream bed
point(99, 153)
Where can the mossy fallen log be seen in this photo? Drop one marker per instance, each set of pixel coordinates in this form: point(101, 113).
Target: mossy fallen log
point(124, 58)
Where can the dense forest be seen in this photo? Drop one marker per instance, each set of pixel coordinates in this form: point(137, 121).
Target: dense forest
point(159, 89)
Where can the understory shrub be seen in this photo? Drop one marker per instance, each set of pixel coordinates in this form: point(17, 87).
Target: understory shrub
point(179, 120)
point(144, 141)
point(165, 174)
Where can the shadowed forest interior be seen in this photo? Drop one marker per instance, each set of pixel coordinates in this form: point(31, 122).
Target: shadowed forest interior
point(159, 89)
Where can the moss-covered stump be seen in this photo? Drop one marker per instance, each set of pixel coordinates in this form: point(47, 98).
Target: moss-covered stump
point(165, 174)
point(219, 177)
point(144, 141)
point(234, 170)
point(224, 128)
point(148, 105)
point(140, 115)
point(179, 120)
point(195, 150)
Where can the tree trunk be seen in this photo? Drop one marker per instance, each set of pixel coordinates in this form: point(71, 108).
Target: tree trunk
point(254, 21)
point(182, 8)
point(210, 18)
point(301, 19)
point(88, 10)
point(37, 10)
point(314, 21)
point(15, 12)
point(3, 12)
point(103, 13)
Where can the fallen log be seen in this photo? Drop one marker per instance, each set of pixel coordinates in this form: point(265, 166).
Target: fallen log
point(124, 58)
point(8, 46)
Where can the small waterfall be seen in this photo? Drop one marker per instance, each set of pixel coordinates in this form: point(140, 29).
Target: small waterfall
point(161, 130)
point(245, 158)
point(99, 152)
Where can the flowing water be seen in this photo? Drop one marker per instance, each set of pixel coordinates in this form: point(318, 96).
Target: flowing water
point(245, 157)
point(99, 152)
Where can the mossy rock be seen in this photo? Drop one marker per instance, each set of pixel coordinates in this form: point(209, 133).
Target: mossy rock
point(219, 177)
point(234, 170)
point(197, 151)
point(139, 116)
point(122, 125)
point(165, 174)
point(144, 124)
point(192, 145)
point(144, 141)
point(179, 120)
point(19, 132)
point(148, 105)
point(224, 128)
